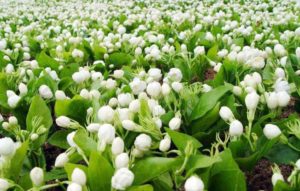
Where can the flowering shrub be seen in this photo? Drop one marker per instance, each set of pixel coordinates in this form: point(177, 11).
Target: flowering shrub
point(148, 95)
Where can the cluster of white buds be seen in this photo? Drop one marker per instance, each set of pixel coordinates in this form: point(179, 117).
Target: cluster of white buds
point(78, 180)
point(235, 126)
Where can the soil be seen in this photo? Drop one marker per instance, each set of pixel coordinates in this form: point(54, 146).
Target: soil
point(260, 177)
point(210, 74)
point(51, 152)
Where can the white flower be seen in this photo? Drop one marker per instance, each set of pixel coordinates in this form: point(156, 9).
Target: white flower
point(279, 50)
point(81, 76)
point(117, 146)
point(7, 146)
point(123, 114)
point(118, 73)
point(155, 74)
point(143, 142)
point(194, 183)
point(60, 95)
point(13, 120)
point(137, 86)
point(281, 85)
point(106, 133)
point(154, 89)
point(199, 50)
point(298, 52)
point(279, 73)
point(9, 68)
point(175, 123)
point(106, 114)
point(22, 89)
point(3, 44)
point(175, 74)
point(298, 164)
point(226, 113)
point(252, 100)
point(45, 92)
point(122, 179)
point(74, 187)
point(134, 106)
point(124, 99)
point(93, 127)
point(13, 100)
point(128, 125)
point(206, 88)
point(78, 176)
point(61, 160)
point(4, 184)
point(122, 160)
point(77, 53)
point(237, 90)
point(165, 144)
point(70, 139)
point(272, 100)
point(63, 121)
point(177, 86)
point(271, 131)
point(37, 176)
point(165, 89)
point(283, 98)
point(236, 128)
point(275, 177)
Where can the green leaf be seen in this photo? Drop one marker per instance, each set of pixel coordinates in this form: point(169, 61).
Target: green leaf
point(46, 61)
point(55, 174)
point(146, 187)
point(181, 139)
point(69, 167)
point(200, 161)
point(39, 116)
point(59, 139)
point(17, 161)
point(119, 59)
point(208, 101)
point(84, 142)
point(226, 175)
point(3, 88)
point(213, 52)
point(100, 172)
point(149, 168)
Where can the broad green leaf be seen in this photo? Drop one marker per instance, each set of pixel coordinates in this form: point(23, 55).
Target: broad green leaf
point(200, 161)
point(149, 168)
point(84, 142)
point(46, 61)
point(100, 172)
point(59, 139)
point(17, 161)
point(58, 173)
point(3, 88)
point(181, 139)
point(208, 101)
point(146, 187)
point(212, 53)
point(39, 116)
point(226, 175)
point(119, 59)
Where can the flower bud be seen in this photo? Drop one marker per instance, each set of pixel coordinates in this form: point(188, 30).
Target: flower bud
point(7, 146)
point(45, 92)
point(13, 120)
point(124, 99)
point(175, 123)
point(252, 100)
point(13, 101)
point(122, 160)
point(154, 89)
point(122, 179)
point(93, 127)
point(106, 133)
point(194, 183)
point(117, 146)
point(128, 125)
point(70, 139)
point(4, 184)
point(22, 89)
point(237, 90)
point(283, 98)
point(165, 89)
point(177, 86)
point(37, 176)
point(106, 114)
point(78, 176)
point(236, 128)
point(61, 160)
point(165, 144)
point(271, 131)
point(60, 95)
point(143, 142)
point(74, 187)
point(275, 177)
point(272, 100)
point(34, 137)
point(226, 113)
point(63, 121)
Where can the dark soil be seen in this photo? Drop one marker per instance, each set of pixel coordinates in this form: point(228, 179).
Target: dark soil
point(210, 74)
point(290, 109)
point(260, 177)
point(51, 152)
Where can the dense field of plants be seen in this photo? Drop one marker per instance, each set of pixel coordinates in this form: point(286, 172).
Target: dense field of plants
point(146, 95)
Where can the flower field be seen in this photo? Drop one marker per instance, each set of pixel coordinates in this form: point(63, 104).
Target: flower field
point(146, 95)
